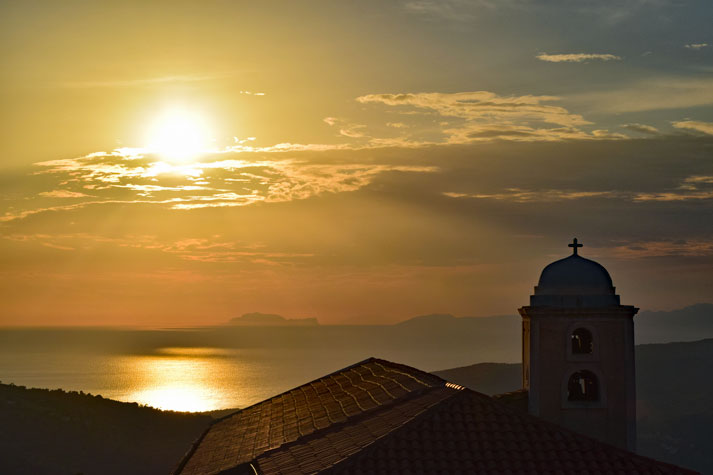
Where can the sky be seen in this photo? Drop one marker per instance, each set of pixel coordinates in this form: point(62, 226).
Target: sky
point(182, 163)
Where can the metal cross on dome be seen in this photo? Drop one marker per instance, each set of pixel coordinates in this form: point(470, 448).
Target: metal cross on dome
point(574, 246)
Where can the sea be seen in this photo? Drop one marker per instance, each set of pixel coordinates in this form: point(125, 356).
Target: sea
point(214, 368)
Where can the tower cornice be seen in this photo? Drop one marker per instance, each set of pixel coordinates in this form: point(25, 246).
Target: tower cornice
point(611, 311)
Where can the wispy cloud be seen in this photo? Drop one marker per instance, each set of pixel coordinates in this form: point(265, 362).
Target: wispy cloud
point(696, 46)
point(695, 125)
point(482, 105)
point(662, 248)
point(576, 57)
point(485, 116)
point(125, 177)
point(642, 128)
point(675, 196)
point(63, 194)
point(695, 187)
point(524, 196)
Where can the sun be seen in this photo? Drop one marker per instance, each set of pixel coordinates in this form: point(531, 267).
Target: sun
point(178, 135)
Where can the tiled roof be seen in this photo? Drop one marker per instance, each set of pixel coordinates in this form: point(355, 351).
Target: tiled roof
point(381, 417)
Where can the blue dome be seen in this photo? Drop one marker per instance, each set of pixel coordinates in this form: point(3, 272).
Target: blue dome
point(574, 282)
point(575, 273)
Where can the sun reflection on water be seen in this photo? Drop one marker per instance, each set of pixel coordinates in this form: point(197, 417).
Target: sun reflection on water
point(180, 379)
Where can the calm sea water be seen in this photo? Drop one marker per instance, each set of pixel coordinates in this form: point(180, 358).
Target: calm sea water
point(219, 368)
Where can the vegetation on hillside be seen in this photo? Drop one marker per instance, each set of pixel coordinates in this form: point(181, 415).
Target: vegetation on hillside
point(58, 432)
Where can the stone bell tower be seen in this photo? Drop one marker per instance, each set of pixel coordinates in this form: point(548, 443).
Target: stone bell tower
point(578, 352)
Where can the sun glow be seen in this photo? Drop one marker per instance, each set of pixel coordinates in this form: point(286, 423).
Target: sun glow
point(179, 135)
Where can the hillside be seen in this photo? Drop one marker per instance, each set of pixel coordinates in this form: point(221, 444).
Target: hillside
point(690, 323)
point(674, 398)
point(62, 432)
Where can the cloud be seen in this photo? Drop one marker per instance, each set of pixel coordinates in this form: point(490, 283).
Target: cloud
point(252, 93)
point(63, 194)
point(662, 248)
point(576, 57)
point(696, 46)
point(520, 133)
point(481, 105)
point(525, 196)
point(352, 130)
point(694, 187)
point(675, 196)
point(346, 129)
point(396, 125)
point(485, 116)
point(698, 126)
point(125, 177)
point(291, 147)
point(699, 179)
point(642, 128)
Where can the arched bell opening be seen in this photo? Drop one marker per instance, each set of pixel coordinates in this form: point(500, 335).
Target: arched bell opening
point(582, 342)
point(583, 386)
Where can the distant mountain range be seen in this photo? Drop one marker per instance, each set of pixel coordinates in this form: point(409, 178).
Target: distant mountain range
point(500, 334)
point(270, 320)
point(674, 384)
point(686, 324)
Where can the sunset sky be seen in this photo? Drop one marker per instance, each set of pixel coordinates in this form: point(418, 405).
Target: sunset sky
point(181, 163)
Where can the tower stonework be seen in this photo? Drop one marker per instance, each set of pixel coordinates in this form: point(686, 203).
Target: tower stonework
point(578, 352)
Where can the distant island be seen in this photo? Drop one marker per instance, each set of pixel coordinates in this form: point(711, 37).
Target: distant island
point(258, 319)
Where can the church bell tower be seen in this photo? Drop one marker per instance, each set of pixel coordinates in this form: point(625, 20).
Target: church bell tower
point(578, 352)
